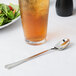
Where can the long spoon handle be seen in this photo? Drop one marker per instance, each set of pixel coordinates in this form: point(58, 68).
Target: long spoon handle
point(12, 65)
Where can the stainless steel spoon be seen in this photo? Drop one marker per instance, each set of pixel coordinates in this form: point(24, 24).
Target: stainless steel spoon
point(59, 46)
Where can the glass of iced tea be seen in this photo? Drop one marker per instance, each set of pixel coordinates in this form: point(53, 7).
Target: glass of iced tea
point(34, 16)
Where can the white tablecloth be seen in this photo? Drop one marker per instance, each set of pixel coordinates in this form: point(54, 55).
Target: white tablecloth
point(58, 63)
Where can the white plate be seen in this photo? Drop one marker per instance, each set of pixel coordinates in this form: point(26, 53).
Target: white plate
point(7, 2)
point(8, 24)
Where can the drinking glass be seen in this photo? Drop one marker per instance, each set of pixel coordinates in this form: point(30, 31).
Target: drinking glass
point(34, 16)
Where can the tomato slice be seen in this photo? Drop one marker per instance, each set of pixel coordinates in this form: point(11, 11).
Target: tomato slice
point(10, 7)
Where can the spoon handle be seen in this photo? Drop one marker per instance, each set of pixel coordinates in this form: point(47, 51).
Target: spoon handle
point(12, 65)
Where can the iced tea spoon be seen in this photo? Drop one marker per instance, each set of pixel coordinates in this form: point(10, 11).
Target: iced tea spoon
point(59, 46)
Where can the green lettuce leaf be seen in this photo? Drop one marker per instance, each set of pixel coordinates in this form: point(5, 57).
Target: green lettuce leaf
point(1, 15)
point(1, 20)
point(5, 9)
point(10, 15)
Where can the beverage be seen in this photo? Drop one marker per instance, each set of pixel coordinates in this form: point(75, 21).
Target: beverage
point(34, 15)
point(64, 7)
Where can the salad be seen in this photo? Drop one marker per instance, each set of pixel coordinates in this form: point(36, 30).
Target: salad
point(8, 13)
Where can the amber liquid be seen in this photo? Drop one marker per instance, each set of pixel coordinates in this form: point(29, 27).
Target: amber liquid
point(34, 19)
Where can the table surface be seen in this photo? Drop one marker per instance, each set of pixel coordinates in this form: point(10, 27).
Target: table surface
point(57, 63)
